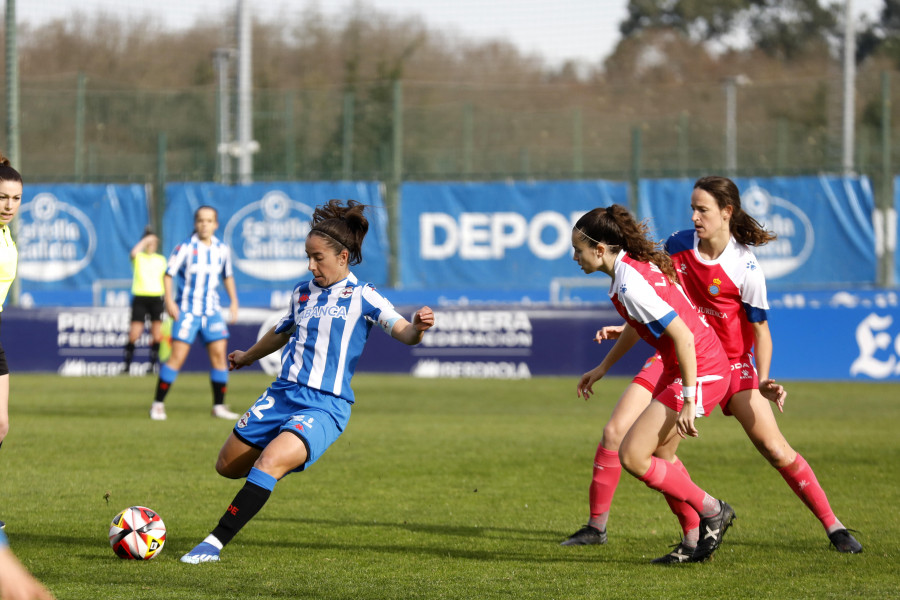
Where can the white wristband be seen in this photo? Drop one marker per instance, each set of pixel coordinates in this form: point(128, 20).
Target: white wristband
point(688, 391)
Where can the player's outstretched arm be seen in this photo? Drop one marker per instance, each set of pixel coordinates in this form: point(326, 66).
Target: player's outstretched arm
point(762, 350)
point(267, 344)
point(610, 332)
point(626, 338)
point(412, 333)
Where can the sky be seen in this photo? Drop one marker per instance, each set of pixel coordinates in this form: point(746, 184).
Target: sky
point(584, 31)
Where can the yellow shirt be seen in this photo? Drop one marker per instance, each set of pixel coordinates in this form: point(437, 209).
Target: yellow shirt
point(148, 274)
point(9, 256)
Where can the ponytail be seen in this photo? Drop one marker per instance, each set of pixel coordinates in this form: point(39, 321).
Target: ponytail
point(342, 226)
point(616, 227)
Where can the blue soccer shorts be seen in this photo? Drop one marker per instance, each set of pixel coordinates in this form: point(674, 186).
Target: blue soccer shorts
point(210, 327)
point(315, 417)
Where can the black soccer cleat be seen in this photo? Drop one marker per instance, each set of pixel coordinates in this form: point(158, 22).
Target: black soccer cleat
point(586, 536)
point(843, 541)
point(680, 554)
point(712, 530)
point(3, 526)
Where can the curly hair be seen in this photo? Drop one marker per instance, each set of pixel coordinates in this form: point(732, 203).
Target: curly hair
point(341, 226)
point(616, 227)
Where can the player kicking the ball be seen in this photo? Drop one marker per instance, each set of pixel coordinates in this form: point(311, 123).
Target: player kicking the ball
point(308, 406)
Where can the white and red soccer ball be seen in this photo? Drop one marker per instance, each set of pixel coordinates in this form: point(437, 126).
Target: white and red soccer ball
point(137, 533)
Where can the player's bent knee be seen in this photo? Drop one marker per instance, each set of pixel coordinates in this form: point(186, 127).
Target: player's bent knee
point(612, 436)
point(230, 470)
point(632, 462)
point(777, 452)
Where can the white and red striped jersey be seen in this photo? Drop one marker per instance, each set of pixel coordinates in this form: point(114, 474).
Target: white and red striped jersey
point(649, 302)
point(730, 291)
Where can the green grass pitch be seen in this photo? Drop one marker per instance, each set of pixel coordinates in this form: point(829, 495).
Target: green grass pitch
point(439, 489)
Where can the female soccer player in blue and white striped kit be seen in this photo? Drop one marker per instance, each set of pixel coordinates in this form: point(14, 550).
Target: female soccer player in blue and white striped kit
point(323, 334)
point(191, 294)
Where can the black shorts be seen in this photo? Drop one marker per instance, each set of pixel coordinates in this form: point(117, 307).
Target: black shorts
point(144, 307)
point(4, 368)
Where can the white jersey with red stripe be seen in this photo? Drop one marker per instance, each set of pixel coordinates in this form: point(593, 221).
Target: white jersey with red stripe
point(649, 302)
point(729, 291)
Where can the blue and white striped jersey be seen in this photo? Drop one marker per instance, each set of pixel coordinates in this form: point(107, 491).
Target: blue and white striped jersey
point(330, 327)
point(196, 268)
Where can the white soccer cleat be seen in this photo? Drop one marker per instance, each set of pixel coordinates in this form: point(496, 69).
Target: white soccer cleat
point(202, 553)
point(158, 411)
point(221, 411)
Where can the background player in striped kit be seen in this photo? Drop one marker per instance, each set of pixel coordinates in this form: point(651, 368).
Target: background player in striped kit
point(722, 276)
point(192, 299)
point(308, 406)
point(695, 373)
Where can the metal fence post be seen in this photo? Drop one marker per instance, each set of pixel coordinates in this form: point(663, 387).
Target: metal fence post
point(886, 189)
point(347, 138)
point(468, 137)
point(577, 143)
point(394, 188)
point(161, 176)
point(634, 180)
point(290, 155)
point(79, 126)
point(684, 123)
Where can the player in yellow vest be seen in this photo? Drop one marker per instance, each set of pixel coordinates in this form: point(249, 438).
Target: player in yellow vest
point(147, 292)
point(10, 201)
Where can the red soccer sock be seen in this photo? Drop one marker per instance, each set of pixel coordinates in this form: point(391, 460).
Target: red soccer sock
point(607, 470)
point(673, 482)
point(687, 516)
point(799, 475)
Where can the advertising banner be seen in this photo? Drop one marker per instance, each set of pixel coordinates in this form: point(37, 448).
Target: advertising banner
point(265, 225)
point(824, 225)
point(861, 342)
point(502, 344)
point(515, 235)
point(846, 339)
point(71, 236)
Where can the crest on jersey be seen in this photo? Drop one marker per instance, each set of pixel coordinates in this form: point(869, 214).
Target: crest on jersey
point(347, 292)
point(715, 287)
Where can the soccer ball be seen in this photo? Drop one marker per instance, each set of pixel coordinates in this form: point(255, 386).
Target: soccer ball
point(137, 533)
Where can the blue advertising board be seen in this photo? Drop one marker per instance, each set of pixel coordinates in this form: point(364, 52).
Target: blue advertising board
point(70, 236)
point(861, 341)
point(515, 235)
point(824, 224)
point(265, 225)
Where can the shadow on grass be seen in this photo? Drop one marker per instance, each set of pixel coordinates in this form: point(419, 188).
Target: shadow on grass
point(531, 545)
